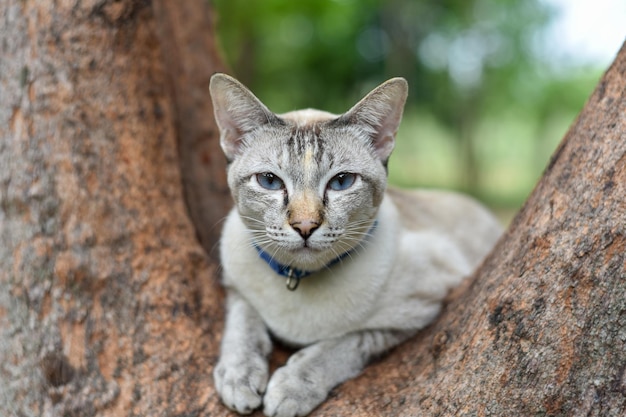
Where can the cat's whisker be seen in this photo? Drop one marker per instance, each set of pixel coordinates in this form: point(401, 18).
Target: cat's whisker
point(350, 248)
point(275, 251)
point(254, 220)
point(351, 239)
point(267, 242)
point(359, 223)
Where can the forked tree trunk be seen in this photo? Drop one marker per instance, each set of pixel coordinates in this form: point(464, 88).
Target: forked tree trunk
point(109, 306)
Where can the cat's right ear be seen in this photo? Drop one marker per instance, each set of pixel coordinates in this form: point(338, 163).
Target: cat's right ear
point(237, 112)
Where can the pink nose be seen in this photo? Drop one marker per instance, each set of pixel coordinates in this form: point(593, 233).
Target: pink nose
point(305, 227)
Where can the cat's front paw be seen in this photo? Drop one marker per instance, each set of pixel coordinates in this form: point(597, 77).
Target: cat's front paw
point(292, 392)
point(241, 385)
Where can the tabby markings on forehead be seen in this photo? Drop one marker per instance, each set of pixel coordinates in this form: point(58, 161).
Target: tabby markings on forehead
point(305, 142)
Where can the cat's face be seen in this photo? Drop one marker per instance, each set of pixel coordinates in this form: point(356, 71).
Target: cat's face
point(307, 184)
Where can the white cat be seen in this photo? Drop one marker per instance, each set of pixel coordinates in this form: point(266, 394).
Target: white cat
point(320, 254)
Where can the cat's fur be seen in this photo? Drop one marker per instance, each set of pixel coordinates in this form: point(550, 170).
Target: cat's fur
point(382, 259)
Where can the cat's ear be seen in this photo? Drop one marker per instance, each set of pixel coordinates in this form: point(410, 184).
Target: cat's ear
point(237, 112)
point(379, 114)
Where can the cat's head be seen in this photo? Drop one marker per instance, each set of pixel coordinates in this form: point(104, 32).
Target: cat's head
point(307, 184)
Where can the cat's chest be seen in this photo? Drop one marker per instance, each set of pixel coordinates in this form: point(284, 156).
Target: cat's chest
point(325, 305)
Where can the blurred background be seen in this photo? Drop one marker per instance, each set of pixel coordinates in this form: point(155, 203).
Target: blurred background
point(494, 84)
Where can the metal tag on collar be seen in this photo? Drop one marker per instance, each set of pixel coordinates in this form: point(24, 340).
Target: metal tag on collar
point(292, 282)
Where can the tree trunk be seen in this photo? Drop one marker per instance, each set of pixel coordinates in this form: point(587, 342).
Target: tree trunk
point(109, 306)
point(191, 57)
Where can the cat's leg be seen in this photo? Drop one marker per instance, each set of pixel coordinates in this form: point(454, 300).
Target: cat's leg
point(242, 371)
point(309, 375)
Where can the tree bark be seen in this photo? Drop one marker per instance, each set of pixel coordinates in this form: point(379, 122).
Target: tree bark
point(110, 307)
point(191, 57)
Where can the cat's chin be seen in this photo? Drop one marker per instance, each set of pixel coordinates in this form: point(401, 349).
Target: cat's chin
point(308, 258)
point(305, 253)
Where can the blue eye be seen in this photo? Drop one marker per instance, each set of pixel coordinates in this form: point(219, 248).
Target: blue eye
point(270, 181)
point(342, 181)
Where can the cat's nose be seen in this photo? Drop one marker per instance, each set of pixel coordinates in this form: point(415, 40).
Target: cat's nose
point(305, 227)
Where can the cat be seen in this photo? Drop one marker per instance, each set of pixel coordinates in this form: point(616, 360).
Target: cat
point(320, 254)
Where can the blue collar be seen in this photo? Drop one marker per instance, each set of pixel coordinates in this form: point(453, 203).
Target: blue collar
point(294, 275)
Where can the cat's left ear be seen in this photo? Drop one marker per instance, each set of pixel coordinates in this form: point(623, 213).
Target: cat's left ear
point(379, 114)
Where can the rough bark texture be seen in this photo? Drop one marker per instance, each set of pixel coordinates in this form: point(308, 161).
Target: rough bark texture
point(109, 306)
point(107, 303)
point(190, 58)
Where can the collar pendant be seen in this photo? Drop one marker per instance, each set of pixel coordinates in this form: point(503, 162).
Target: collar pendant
point(292, 281)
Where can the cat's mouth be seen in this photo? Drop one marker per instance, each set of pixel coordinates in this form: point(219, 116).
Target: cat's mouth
point(306, 248)
point(306, 253)
point(307, 245)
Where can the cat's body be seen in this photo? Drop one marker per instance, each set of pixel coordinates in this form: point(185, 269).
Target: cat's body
point(311, 197)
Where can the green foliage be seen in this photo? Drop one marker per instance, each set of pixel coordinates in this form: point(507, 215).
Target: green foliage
point(484, 113)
